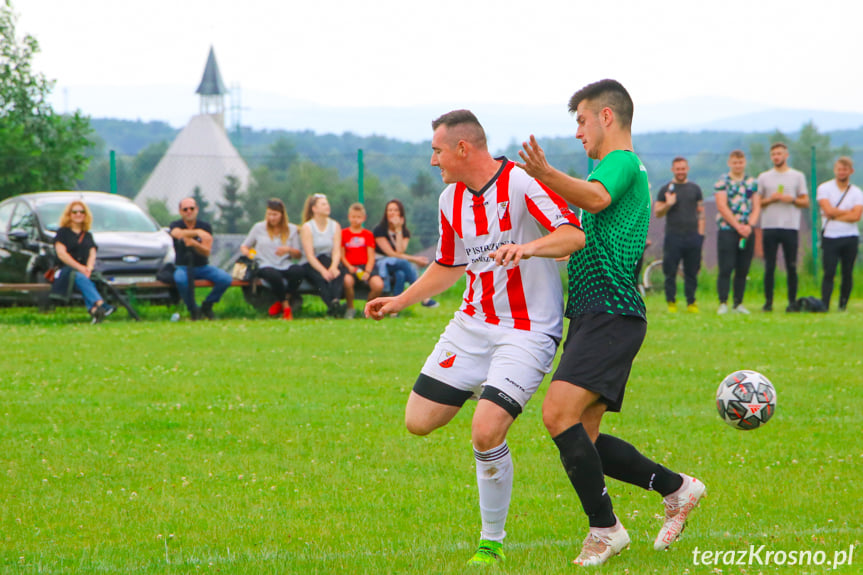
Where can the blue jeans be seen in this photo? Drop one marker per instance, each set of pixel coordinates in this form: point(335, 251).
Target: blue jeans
point(88, 290)
point(397, 272)
point(220, 278)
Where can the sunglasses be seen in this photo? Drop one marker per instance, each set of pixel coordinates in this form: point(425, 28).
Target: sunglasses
point(192, 209)
point(77, 212)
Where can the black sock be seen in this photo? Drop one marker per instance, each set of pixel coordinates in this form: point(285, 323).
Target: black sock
point(623, 462)
point(584, 468)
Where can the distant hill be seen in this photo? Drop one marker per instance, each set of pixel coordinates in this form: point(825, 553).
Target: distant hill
point(394, 158)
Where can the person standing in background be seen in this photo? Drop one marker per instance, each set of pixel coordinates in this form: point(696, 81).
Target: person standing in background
point(738, 207)
point(841, 204)
point(783, 194)
point(683, 203)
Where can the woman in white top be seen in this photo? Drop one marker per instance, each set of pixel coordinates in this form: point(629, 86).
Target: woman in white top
point(322, 246)
point(277, 245)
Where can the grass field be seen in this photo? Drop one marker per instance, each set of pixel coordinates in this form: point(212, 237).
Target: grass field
point(258, 446)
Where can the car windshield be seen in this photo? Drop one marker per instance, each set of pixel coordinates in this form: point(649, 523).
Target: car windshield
point(107, 216)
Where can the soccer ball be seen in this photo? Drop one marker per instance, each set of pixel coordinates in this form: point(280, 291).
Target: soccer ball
point(746, 399)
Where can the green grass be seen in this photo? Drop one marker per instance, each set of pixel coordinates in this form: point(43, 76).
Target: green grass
point(260, 446)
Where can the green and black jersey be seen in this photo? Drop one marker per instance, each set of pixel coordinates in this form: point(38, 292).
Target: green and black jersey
point(602, 275)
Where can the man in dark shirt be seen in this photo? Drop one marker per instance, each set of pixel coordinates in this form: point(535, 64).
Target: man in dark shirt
point(193, 240)
point(683, 203)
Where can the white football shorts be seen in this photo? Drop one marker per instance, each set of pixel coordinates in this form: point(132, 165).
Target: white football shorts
point(472, 353)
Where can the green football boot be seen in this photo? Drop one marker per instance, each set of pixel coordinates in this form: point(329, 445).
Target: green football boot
point(489, 553)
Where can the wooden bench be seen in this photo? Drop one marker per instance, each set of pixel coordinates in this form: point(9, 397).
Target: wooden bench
point(260, 298)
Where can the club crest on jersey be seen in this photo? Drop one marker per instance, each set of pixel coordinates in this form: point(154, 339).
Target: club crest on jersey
point(446, 359)
point(502, 210)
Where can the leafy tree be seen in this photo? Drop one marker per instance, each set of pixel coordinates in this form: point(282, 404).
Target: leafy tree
point(825, 153)
point(204, 212)
point(231, 211)
point(759, 159)
point(160, 212)
point(39, 150)
point(424, 186)
point(283, 153)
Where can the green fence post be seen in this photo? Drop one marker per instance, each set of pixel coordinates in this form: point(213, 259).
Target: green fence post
point(113, 163)
point(360, 176)
point(813, 210)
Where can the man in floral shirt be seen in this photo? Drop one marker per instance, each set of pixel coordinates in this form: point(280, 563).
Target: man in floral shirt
point(738, 208)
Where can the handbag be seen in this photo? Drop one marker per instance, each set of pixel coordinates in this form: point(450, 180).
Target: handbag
point(50, 273)
point(166, 273)
point(244, 269)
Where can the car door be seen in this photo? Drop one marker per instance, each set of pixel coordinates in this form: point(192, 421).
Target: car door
point(25, 252)
point(7, 248)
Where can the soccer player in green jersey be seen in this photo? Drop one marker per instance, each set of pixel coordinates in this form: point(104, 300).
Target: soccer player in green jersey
point(607, 323)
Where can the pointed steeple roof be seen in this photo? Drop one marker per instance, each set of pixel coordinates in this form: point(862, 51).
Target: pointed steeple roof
point(211, 83)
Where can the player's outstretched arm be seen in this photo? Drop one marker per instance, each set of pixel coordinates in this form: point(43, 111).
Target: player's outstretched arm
point(436, 279)
point(590, 196)
point(559, 243)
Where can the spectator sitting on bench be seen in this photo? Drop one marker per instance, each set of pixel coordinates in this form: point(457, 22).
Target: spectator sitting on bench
point(322, 246)
point(76, 250)
point(193, 240)
point(396, 266)
point(358, 258)
point(277, 245)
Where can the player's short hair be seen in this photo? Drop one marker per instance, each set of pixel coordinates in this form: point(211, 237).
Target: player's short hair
point(606, 94)
point(782, 145)
point(462, 125)
point(357, 207)
point(679, 159)
point(845, 161)
point(736, 154)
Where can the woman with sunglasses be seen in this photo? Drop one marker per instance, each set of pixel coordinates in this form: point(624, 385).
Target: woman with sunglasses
point(322, 245)
point(76, 251)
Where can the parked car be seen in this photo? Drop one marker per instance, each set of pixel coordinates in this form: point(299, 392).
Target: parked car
point(131, 245)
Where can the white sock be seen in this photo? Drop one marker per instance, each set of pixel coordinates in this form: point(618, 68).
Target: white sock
point(494, 474)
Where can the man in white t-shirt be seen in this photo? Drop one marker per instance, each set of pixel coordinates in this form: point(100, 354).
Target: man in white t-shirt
point(783, 197)
point(841, 204)
point(503, 338)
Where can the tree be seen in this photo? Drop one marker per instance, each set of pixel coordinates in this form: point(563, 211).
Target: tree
point(203, 205)
point(423, 186)
point(160, 212)
point(231, 212)
point(801, 153)
point(283, 153)
point(39, 150)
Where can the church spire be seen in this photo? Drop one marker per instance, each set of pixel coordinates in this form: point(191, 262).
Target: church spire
point(212, 89)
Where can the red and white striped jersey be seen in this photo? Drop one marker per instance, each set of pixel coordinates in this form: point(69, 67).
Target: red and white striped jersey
point(511, 208)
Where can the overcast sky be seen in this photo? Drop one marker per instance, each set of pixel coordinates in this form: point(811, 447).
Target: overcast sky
point(454, 53)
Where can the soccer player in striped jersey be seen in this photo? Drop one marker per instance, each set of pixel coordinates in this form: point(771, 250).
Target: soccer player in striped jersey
point(502, 340)
point(607, 324)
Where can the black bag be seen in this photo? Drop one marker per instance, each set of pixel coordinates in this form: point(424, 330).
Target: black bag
point(166, 274)
point(810, 303)
point(244, 269)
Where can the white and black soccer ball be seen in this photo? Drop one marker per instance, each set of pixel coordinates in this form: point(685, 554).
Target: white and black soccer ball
point(746, 399)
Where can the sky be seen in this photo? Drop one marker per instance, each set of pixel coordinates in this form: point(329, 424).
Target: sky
point(147, 58)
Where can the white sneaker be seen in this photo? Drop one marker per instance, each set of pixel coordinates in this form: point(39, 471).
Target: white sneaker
point(722, 309)
point(678, 505)
point(740, 309)
point(602, 544)
point(350, 313)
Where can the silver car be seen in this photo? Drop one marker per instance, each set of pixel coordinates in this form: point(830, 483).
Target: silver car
point(131, 245)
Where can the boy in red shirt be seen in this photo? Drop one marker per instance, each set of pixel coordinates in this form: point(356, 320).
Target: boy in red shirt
point(358, 257)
